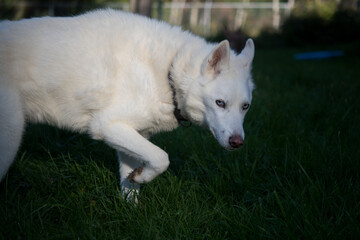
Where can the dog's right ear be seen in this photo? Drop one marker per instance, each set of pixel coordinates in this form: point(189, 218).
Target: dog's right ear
point(247, 54)
point(218, 59)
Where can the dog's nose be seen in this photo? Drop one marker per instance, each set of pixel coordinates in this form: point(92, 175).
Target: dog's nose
point(236, 141)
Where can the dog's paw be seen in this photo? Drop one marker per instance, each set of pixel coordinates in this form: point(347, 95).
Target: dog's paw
point(130, 191)
point(130, 195)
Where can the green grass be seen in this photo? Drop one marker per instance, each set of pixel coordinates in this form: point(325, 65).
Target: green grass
point(296, 177)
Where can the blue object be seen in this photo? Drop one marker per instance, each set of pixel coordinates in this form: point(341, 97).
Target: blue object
point(318, 55)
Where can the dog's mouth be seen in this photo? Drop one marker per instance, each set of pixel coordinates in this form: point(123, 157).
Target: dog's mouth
point(222, 142)
point(229, 148)
point(230, 144)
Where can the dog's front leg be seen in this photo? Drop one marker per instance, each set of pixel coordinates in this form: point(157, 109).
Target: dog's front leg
point(128, 141)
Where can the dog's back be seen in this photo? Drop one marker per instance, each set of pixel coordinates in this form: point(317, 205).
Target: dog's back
point(67, 68)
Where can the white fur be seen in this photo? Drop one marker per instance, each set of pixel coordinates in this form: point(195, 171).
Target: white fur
point(106, 73)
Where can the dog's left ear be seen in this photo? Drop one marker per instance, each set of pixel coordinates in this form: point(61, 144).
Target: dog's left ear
point(247, 54)
point(218, 59)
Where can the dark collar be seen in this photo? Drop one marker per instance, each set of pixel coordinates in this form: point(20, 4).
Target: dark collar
point(177, 113)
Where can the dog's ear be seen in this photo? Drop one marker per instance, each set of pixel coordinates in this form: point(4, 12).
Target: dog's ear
point(218, 59)
point(247, 54)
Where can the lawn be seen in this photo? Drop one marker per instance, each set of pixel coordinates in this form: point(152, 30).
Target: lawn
point(296, 177)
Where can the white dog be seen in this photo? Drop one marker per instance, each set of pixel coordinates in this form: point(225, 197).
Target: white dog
point(120, 78)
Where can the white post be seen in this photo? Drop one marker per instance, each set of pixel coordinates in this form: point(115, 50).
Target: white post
point(240, 18)
point(194, 15)
point(176, 13)
point(290, 6)
point(276, 14)
point(207, 17)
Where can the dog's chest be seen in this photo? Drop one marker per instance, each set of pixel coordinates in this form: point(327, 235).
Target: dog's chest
point(160, 117)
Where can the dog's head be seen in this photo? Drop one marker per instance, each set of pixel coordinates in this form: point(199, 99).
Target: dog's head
point(226, 90)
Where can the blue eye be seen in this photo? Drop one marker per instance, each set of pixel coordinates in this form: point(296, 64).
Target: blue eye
point(245, 106)
point(220, 103)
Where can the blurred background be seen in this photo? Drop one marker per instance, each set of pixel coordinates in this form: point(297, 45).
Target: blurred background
point(272, 22)
point(297, 176)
